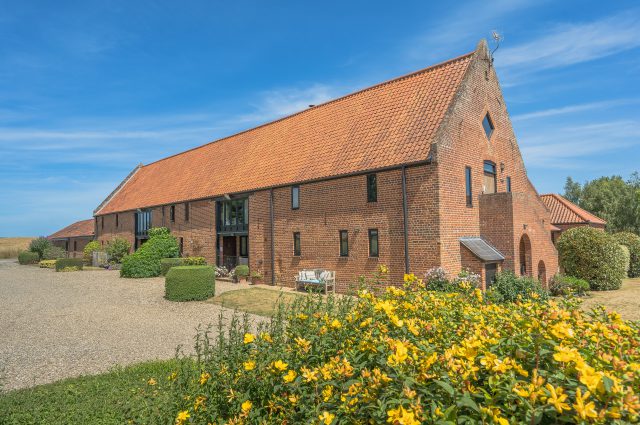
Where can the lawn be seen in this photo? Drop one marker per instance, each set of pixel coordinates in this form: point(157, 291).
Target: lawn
point(10, 247)
point(625, 301)
point(102, 399)
point(263, 302)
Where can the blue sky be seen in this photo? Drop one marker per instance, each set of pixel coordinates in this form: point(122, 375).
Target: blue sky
point(90, 89)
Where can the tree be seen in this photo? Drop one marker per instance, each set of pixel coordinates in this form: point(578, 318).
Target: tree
point(572, 191)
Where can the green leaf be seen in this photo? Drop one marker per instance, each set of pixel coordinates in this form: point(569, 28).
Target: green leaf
point(445, 386)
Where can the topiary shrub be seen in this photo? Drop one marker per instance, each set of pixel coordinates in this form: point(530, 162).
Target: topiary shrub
point(568, 285)
point(28, 257)
point(626, 254)
point(89, 249)
point(47, 264)
point(195, 261)
point(53, 253)
point(67, 263)
point(592, 255)
point(632, 242)
point(145, 262)
point(241, 271)
point(39, 245)
point(508, 287)
point(167, 263)
point(190, 283)
point(117, 248)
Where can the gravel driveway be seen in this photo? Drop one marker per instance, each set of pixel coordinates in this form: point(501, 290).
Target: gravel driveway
point(59, 325)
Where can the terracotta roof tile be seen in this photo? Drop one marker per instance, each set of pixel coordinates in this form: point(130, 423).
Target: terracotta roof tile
point(389, 124)
point(564, 211)
point(79, 228)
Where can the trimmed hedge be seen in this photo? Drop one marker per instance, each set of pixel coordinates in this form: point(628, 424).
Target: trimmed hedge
point(145, 262)
point(194, 261)
point(632, 242)
point(568, 285)
point(28, 257)
point(63, 263)
point(592, 255)
point(167, 263)
point(190, 283)
point(627, 258)
point(47, 264)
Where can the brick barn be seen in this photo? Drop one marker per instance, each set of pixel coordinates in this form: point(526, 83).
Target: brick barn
point(74, 237)
point(565, 215)
point(417, 172)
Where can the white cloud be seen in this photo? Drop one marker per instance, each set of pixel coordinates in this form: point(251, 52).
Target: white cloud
point(572, 109)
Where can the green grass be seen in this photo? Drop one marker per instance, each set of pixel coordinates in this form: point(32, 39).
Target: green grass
point(263, 302)
point(98, 399)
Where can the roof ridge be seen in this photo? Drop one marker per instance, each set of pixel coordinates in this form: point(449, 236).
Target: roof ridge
point(337, 99)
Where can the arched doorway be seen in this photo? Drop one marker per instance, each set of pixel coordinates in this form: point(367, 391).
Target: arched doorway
point(525, 256)
point(542, 273)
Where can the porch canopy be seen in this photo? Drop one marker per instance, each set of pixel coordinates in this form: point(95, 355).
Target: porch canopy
point(481, 249)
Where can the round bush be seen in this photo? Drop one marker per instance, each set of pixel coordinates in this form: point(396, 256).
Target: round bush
point(592, 255)
point(167, 263)
point(190, 283)
point(28, 257)
point(145, 262)
point(632, 242)
point(117, 248)
point(242, 270)
point(89, 249)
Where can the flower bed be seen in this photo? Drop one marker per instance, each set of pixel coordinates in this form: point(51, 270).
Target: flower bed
point(410, 356)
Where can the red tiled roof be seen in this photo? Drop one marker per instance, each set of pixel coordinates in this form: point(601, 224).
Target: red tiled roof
point(387, 125)
point(79, 228)
point(564, 211)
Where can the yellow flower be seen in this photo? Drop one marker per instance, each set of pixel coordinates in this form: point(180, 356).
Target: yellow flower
point(557, 398)
point(152, 381)
point(327, 392)
point(204, 377)
point(199, 404)
point(302, 316)
point(249, 338)
point(293, 399)
point(246, 406)
point(249, 365)
point(382, 269)
point(335, 324)
point(303, 344)
point(566, 354)
point(290, 376)
point(402, 416)
point(280, 365)
point(309, 374)
point(584, 410)
point(326, 418)
point(266, 337)
point(562, 331)
point(173, 376)
point(182, 416)
point(400, 355)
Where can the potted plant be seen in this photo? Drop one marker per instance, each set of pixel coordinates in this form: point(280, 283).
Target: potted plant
point(256, 278)
point(241, 273)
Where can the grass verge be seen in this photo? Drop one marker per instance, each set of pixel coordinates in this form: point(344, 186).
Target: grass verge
point(11, 247)
point(625, 301)
point(97, 399)
point(263, 302)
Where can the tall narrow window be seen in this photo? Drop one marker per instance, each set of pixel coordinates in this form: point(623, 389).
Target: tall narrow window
point(75, 245)
point(172, 213)
point(295, 197)
point(487, 124)
point(186, 211)
point(469, 186)
point(373, 243)
point(489, 177)
point(297, 250)
point(508, 184)
point(344, 243)
point(181, 246)
point(102, 222)
point(372, 188)
point(244, 246)
point(117, 220)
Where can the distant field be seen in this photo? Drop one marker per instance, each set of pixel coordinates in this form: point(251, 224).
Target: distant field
point(10, 247)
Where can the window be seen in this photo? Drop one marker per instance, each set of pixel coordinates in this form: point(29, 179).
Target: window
point(297, 250)
point(102, 222)
point(469, 187)
point(244, 246)
point(181, 246)
point(172, 213)
point(142, 222)
point(232, 215)
point(344, 243)
point(489, 177)
point(186, 211)
point(117, 221)
point(75, 245)
point(372, 188)
point(373, 243)
point(508, 184)
point(295, 197)
point(487, 124)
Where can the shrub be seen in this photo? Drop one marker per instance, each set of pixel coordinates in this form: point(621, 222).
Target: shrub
point(167, 263)
point(195, 261)
point(241, 271)
point(190, 283)
point(47, 264)
point(626, 255)
point(568, 285)
point(53, 253)
point(221, 271)
point(39, 245)
point(117, 248)
point(89, 249)
point(408, 356)
point(436, 280)
point(592, 255)
point(28, 257)
point(508, 287)
point(632, 242)
point(145, 262)
point(63, 263)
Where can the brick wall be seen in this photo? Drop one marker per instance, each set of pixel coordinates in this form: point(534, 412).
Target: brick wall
point(73, 246)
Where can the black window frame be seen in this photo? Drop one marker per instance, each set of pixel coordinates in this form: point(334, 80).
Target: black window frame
point(487, 121)
point(172, 213)
point(508, 184)
point(117, 220)
point(295, 199)
point(374, 233)
point(102, 222)
point(372, 187)
point(244, 246)
point(75, 246)
point(344, 243)
point(297, 244)
point(468, 182)
point(186, 211)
